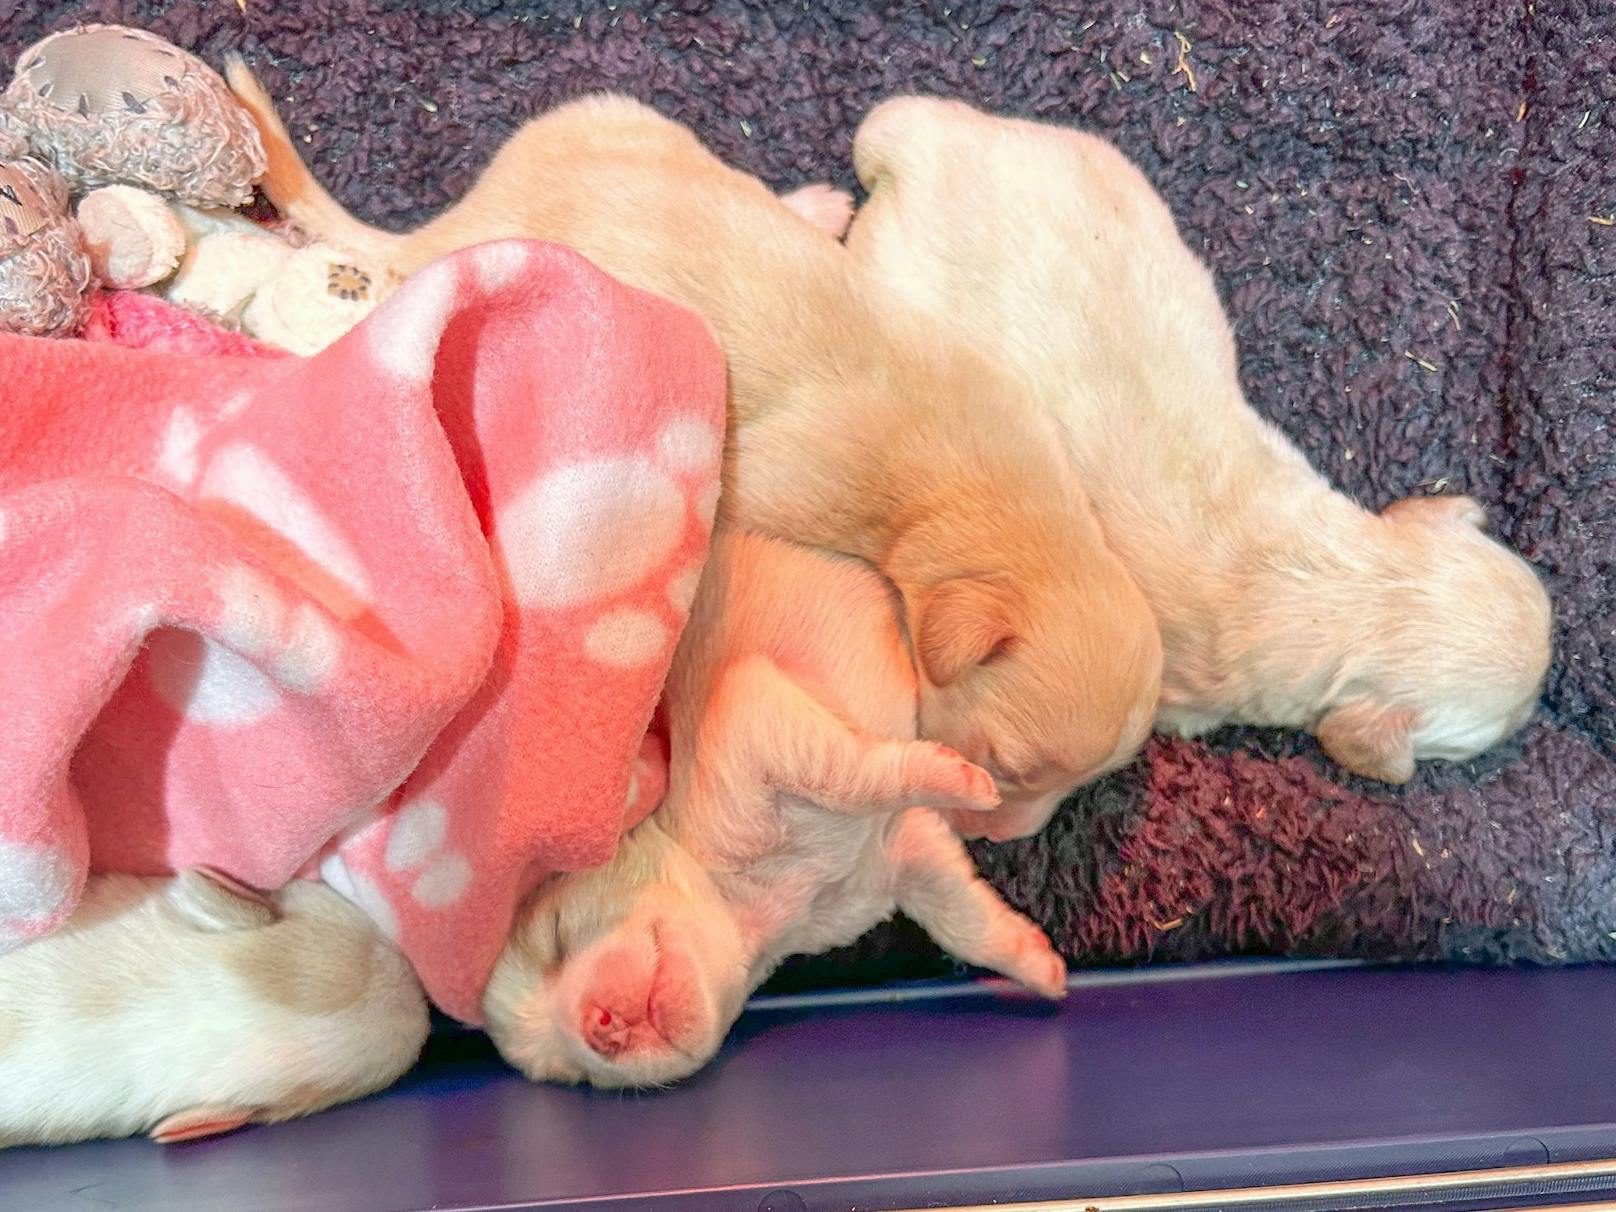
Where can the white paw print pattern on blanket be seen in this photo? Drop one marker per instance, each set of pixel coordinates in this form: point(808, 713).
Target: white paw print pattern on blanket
point(399, 611)
point(415, 845)
point(36, 883)
point(598, 515)
point(596, 555)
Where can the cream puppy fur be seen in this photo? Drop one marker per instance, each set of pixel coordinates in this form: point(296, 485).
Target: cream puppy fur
point(857, 427)
point(178, 1008)
point(799, 812)
point(1394, 637)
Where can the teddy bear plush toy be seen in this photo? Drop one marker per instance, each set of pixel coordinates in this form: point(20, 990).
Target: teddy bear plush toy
point(159, 155)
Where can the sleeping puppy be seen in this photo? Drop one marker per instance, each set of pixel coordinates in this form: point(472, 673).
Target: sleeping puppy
point(182, 1008)
point(1394, 637)
point(858, 427)
point(799, 812)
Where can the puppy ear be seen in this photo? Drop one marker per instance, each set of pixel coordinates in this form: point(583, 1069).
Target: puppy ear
point(1370, 739)
point(962, 624)
point(213, 902)
point(1437, 509)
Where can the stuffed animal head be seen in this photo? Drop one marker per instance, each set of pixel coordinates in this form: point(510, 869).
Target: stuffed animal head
point(44, 272)
point(108, 105)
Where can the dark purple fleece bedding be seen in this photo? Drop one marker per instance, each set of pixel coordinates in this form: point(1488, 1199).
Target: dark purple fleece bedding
point(1401, 201)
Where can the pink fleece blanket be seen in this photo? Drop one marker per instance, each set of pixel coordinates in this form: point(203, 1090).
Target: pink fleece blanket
point(399, 613)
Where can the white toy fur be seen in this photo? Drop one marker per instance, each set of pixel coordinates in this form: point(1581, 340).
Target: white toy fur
point(224, 265)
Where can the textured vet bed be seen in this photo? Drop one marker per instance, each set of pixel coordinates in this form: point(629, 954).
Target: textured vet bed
point(1396, 197)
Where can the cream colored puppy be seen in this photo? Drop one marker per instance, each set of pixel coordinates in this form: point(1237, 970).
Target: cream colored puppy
point(177, 1008)
point(857, 427)
point(800, 812)
point(1394, 637)
point(794, 821)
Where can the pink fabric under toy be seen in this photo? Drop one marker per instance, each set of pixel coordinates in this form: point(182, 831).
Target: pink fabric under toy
point(400, 611)
point(137, 320)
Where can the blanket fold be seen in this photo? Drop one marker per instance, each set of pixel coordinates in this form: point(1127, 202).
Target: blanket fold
point(398, 613)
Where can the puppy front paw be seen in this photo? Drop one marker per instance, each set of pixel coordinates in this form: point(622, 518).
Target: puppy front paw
point(1033, 962)
point(942, 779)
point(823, 206)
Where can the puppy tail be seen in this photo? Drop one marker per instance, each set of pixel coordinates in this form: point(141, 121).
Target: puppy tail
point(290, 185)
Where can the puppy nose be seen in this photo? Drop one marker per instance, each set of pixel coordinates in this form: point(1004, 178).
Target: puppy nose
point(605, 1032)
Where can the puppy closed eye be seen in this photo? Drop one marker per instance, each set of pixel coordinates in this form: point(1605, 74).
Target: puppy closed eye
point(1002, 775)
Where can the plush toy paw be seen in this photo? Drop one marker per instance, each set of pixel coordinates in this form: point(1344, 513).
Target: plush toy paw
point(222, 272)
point(318, 295)
point(133, 237)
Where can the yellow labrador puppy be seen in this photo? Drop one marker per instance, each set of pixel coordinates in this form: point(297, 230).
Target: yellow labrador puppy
point(858, 427)
point(1394, 637)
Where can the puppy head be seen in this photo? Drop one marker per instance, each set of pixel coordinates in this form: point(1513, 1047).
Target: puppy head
point(1456, 647)
point(1047, 684)
point(629, 974)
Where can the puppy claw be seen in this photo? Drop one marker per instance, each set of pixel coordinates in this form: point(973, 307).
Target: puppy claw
point(1052, 983)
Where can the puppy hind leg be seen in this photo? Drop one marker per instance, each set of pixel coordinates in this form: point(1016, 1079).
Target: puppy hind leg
point(791, 742)
point(937, 885)
point(194, 1123)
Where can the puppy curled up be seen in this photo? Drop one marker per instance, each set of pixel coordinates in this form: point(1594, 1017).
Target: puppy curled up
point(183, 1007)
point(800, 812)
point(858, 426)
point(1394, 637)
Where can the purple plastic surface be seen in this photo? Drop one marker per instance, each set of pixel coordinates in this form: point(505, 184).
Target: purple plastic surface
point(1190, 1078)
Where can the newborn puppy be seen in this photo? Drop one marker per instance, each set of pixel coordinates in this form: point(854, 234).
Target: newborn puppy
point(799, 812)
point(178, 1008)
point(1394, 637)
point(793, 822)
point(858, 427)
